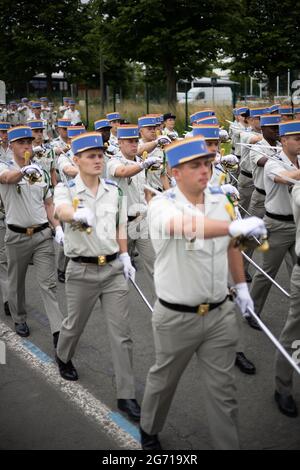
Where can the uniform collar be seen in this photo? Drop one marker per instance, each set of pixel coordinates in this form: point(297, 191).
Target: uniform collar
point(82, 188)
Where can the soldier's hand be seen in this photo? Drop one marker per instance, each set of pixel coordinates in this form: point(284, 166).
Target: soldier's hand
point(58, 150)
point(85, 216)
point(243, 299)
point(252, 226)
point(223, 135)
point(128, 269)
point(149, 162)
point(32, 169)
point(163, 140)
point(230, 190)
point(59, 235)
point(38, 149)
point(230, 159)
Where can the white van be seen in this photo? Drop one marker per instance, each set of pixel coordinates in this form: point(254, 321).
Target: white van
point(219, 95)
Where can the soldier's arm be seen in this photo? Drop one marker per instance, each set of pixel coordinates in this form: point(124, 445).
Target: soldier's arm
point(295, 174)
point(125, 171)
point(197, 227)
point(236, 265)
point(50, 212)
point(146, 147)
point(122, 238)
point(65, 213)
point(11, 176)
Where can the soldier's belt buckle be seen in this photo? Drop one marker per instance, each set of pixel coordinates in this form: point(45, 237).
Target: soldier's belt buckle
point(203, 309)
point(29, 231)
point(101, 260)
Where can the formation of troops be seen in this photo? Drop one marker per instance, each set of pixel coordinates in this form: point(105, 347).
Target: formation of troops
point(192, 215)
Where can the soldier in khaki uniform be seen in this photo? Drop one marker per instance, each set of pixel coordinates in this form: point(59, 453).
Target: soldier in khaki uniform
point(114, 121)
point(192, 313)
point(156, 175)
point(290, 334)
point(29, 209)
point(251, 135)
point(279, 217)
point(99, 265)
point(128, 171)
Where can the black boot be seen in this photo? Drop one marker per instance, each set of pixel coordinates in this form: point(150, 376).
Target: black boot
point(245, 366)
point(131, 407)
point(149, 442)
point(286, 404)
point(66, 370)
point(61, 276)
point(22, 329)
point(55, 339)
point(6, 309)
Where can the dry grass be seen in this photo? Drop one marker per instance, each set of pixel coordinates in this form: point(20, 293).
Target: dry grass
point(131, 111)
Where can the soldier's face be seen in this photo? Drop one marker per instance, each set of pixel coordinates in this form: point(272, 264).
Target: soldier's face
point(19, 147)
point(63, 132)
point(194, 175)
point(212, 145)
point(105, 132)
point(286, 117)
point(291, 144)
point(148, 133)
point(90, 162)
point(129, 147)
point(270, 132)
point(115, 123)
point(3, 136)
point(37, 134)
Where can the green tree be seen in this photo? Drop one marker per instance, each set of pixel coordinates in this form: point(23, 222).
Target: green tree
point(182, 37)
point(40, 37)
point(267, 44)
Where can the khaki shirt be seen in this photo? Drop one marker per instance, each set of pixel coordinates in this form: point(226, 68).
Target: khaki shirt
point(6, 154)
point(296, 212)
point(235, 130)
point(278, 198)
point(153, 175)
point(109, 212)
point(188, 272)
point(65, 159)
point(133, 187)
point(24, 202)
point(255, 156)
point(245, 138)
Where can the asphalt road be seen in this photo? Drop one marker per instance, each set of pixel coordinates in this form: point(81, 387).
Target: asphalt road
point(35, 415)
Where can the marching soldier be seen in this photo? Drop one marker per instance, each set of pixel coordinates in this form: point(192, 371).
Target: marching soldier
point(290, 334)
point(43, 154)
point(251, 136)
point(64, 107)
point(6, 155)
point(61, 143)
point(193, 313)
point(29, 210)
point(65, 162)
point(13, 116)
point(72, 113)
point(114, 121)
point(279, 217)
point(24, 111)
point(104, 128)
point(286, 112)
point(99, 265)
point(128, 171)
point(153, 145)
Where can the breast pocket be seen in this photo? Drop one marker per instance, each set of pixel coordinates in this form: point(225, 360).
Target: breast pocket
point(107, 220)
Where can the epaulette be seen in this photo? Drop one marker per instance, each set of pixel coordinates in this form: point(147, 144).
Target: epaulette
point(113, 183)
point(71, 183)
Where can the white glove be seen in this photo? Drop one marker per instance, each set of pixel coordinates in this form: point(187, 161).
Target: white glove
point(128, 269)
point(59, 235)
point(172, 135)
point(252, 226)
point(231, 190)
point(149, 162)
point(230, 159)
point(38, 149)
point(85, 216)
point(243, 299)
point(163, 140)
point(31, 169)
point(223, 135)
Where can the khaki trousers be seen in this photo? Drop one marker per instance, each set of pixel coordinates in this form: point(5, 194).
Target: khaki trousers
point(282, 246)
point(213, 338)
point(245, 187)
point(289, 338)
point(3, 263)
point(21, 249)
point(85, 284)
